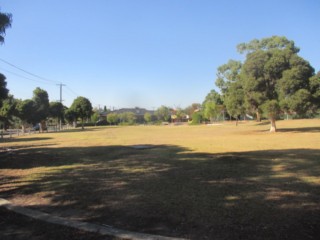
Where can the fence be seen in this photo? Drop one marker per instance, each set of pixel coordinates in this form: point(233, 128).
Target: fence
point(9, 133)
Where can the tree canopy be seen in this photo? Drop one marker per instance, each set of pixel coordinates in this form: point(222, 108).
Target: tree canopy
point(41, 105)
point(56, 110)
point(82, 108)
point(3, 88)
point(7, 110)
point(163, 113)
point(25, 110)
point(273, 78)
point(5, 22)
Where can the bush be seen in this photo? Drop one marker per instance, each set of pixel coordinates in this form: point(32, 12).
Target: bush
point(196, 118)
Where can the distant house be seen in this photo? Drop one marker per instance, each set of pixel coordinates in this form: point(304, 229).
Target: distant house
point(103, 115)
point(139, 112)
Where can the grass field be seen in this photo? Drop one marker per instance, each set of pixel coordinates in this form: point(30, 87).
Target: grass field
point(199, 182)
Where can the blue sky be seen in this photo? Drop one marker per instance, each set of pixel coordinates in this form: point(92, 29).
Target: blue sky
point(146, 53)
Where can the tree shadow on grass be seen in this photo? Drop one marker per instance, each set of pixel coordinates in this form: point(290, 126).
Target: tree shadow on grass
point(300, 129)
point(79, 129)
point(171, 190)
point(24, 139)
point(263, 123)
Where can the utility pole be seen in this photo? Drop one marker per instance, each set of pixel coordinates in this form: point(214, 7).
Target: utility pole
point(60, 121)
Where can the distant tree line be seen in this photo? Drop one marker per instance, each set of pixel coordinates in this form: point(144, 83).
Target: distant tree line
point(39, 111)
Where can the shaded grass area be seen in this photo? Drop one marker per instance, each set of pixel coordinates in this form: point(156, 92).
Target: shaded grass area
point(172, 190)
point(17, 227)
point(199, 182)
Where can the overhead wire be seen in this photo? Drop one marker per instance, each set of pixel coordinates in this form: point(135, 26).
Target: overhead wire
point(41, 79)
point(25, 71)
point(18, 75)
point(76, 94)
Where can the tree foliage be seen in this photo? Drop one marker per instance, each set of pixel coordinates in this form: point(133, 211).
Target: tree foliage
point(3, 88)
point(273, 78)
point(234, 100)
point(5, 22)
point(95, 116)
point(56, 110)
point(70, 115)
point(7, 110)
point(212, 106)
point(192, 108)
point(147, 117)
point(112, 118)
point(127, 118)
point(81, 108)
point(24, 111)
point(227, 74)
point(196, 118)
point(210, 110)
point(163, 113)
point(41, 105)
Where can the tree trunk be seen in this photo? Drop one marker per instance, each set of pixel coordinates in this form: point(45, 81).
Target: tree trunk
point(82, 124)
point(258, 116)
point(42, 126)
point(23, 128)
point(273, 127)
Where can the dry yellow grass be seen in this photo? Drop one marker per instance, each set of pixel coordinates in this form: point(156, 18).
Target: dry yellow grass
point(193, 181)
point(247, 136)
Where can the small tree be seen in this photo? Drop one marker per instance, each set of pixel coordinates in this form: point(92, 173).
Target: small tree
point(113, 118)
point(82, 108)
point(210, 111)
point(212, 106)
point(70, 115)
point(25, 111)
point(128, 118)
point(7, 110)
point(41, 106)
point(95, 116)
point(192, 108)
point(147, 117)
point(163, 113)
point(196, 118)
point(56, 111)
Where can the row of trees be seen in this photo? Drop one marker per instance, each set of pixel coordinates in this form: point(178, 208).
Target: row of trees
point(162, 114)
point(39, 110)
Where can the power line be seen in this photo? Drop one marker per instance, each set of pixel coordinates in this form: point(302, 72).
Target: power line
point(32, 74)
point(47, 81)
point(76, 94)
point(18, 75)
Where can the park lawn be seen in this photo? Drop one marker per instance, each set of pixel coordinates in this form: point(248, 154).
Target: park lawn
point(199, 182)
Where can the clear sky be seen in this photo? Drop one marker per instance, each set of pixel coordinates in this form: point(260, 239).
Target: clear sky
point(145, 53)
